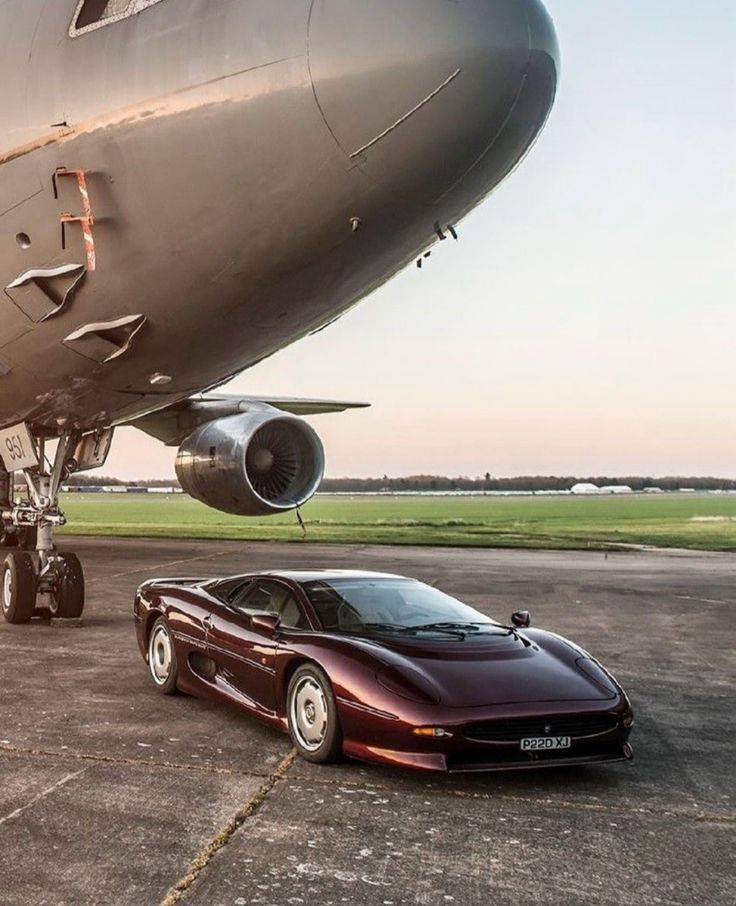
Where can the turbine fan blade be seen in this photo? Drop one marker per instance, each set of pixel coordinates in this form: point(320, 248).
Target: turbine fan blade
point(276, 481)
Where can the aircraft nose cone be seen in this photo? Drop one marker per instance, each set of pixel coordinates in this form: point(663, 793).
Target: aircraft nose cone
point(434, 98)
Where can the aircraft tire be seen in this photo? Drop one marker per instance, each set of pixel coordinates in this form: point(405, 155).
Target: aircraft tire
point(67, 601)
point(18, 587)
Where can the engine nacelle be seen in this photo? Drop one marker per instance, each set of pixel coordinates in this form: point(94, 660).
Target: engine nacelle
point(256, 464)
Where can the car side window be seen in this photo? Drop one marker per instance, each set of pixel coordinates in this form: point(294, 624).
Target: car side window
point(272, 597)
point(292, 615)
point(235, 594)
point(262, 597)
point(93, 14)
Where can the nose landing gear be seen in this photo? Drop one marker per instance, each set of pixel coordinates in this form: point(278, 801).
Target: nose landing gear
point(25, 578)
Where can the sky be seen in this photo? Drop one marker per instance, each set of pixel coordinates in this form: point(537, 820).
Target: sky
point(585, 324)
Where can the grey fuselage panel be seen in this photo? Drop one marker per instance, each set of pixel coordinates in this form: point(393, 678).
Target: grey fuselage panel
point(254, 170)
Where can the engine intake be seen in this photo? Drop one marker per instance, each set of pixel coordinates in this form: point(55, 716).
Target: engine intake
point(256, 464)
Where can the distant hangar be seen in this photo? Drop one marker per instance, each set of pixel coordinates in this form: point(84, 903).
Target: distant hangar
point(587, 488)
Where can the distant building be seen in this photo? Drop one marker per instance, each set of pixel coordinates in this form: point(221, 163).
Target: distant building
point(585, 488)
point(617, 489)
point(653, 491)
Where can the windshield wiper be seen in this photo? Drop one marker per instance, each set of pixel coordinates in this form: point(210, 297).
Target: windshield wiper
point(380, 627)
point(513, 631)
point(453, 629)
point(363, 628)
point(458, 629)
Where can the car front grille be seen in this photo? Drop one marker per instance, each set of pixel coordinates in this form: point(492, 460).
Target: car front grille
point(577, 726)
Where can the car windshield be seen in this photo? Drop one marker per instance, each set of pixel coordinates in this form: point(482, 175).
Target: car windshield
point(369, 605)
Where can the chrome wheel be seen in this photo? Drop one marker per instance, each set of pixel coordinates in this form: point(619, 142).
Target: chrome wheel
point(7, 590)
point(160, 655)
point(309, 714)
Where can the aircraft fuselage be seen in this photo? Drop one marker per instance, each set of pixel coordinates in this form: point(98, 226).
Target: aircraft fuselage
point(254, 170)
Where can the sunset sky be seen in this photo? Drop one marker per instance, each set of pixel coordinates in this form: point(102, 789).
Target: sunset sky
point(586, 321)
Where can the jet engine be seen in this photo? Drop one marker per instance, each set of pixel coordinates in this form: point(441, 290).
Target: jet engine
point(255, 464)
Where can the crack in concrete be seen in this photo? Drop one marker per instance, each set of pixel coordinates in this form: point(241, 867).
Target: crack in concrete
point(221, 839)
point(688, 814)
point(158, 566)
point(703, 600)
point(42, 795)
point(128, 762)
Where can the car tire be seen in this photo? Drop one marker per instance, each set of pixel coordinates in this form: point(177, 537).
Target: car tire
point(18, 587)
point(314, 724)
point(162, 662)
point(67, 601)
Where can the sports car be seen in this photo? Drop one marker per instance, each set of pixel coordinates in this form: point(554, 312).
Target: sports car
point(384, 669)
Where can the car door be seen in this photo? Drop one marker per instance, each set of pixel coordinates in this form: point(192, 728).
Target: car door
point(246, 657)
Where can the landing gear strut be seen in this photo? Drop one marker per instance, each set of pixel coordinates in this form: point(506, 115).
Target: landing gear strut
point(24, 577)
point(8, 534)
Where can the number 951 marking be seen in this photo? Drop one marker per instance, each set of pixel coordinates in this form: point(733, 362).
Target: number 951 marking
point(14, 446)
point(17, 449)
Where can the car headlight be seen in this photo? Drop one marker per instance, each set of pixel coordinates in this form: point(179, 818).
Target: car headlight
point(407, 683)
point(596, 673)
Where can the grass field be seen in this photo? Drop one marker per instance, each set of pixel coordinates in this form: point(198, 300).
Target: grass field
point(700, 522)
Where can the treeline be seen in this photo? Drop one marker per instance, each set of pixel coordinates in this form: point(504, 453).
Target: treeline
point(93, 480)
point(443, 483)
point(521, 483)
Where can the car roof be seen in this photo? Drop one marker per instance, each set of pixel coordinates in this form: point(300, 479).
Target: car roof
point(326, 575)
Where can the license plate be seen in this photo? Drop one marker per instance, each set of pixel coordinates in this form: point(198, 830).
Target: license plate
point(545, 743)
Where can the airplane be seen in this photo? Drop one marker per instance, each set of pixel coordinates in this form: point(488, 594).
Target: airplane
point(188, 187)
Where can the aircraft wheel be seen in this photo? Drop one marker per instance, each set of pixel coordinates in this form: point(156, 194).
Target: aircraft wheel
point(67, 601)
point(162, 657)
point(18, 587)
point(314, 724)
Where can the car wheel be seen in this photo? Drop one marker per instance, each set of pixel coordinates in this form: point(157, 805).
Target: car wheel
point(162, 657)
point(18, 587)
point(313, 720)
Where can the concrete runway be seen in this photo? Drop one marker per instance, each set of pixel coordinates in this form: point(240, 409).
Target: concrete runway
point(110, 792)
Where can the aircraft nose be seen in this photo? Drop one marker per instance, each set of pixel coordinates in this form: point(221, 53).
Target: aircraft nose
point(435, 98)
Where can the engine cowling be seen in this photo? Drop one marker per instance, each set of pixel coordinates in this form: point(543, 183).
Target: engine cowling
point(255, 464)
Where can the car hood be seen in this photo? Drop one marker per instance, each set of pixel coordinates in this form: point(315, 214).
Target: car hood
point(499, 670)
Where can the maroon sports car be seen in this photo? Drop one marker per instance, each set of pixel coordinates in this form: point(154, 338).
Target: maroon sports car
point(384, 669)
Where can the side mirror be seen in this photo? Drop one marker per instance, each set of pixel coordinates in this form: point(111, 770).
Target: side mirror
point(268, 623)
point(522, 619)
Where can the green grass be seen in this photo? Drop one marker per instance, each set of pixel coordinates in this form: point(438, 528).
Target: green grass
point(699, 522)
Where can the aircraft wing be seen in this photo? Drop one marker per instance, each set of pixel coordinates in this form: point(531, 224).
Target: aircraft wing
point(172, 424)
point(295, 405)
